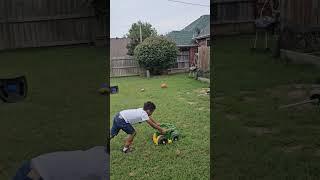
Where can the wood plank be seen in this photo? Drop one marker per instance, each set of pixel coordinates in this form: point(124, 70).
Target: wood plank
point(126, 75)
point(230, 1)
point(46, 8)
point(314, 14)
point(61, 43)
point(14, 36)
point(120, 58)
point(31, 9)
point(234, 22)
point(124, 67)
point(48, 18)
point(20, 34)
point(12, 9)
point(2, 11)
point(2, 39)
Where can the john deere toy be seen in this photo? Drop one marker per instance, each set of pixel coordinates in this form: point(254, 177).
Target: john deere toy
point(170, 136)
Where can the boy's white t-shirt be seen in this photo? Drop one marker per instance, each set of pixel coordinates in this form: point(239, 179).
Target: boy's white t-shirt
point(134, 116)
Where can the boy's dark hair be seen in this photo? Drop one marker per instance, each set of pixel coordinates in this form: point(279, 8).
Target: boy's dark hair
point(149, 106)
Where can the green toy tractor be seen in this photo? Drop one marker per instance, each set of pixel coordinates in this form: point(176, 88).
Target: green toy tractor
point(170, 136)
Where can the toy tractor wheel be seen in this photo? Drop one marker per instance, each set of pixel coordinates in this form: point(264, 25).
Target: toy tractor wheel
point(162, 140)
point(175, 138)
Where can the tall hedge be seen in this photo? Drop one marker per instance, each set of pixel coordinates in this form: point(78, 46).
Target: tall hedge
point(156, 54)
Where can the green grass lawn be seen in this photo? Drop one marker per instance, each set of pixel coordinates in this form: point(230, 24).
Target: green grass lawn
point(63, 110)
point(181, 104)
point(252, 138)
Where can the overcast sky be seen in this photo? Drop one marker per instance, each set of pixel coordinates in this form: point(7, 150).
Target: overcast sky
point(164, 15)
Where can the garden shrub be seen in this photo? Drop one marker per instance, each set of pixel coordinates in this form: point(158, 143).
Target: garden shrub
point(156, 54)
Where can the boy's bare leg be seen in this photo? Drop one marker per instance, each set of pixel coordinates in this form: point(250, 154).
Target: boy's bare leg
point(129, 140)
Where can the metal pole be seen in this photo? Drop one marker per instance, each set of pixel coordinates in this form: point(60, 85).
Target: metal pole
point(140, 34)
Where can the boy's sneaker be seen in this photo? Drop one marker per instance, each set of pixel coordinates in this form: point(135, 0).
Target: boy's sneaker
point(127, 150)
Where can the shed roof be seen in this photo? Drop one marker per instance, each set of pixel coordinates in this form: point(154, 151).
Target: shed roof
point(205, 32)
point(182, 38)
point(201, 26)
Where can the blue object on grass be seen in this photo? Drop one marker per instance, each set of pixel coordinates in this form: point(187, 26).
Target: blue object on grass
point(114, 89)
point(12, 88)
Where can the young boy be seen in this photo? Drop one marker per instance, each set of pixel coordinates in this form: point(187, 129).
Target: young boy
point(126, 118)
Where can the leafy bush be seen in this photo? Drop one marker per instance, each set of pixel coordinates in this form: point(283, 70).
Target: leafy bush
point(156, 54)
point(134, 34)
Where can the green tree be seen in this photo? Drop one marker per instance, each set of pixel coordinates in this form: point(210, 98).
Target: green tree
point(156, 54)
point(134, 34)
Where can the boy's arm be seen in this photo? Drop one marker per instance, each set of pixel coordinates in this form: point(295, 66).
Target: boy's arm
point(155, 126)
point(154, 121)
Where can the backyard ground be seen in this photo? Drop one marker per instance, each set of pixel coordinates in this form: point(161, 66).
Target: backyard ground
point(63, 110)
point(252, 138)
point(185, 105)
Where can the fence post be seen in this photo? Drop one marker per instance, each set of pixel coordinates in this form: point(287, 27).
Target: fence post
point(6, 25)
point(148, 74)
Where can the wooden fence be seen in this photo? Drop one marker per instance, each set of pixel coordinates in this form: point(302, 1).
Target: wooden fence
point(124, 66)
point(128, 66)
point(204, 58)
point(183, 60)
point(300, 25)
point(300, 12)
point(236, 16)
point(232, 16)
point(37, 23)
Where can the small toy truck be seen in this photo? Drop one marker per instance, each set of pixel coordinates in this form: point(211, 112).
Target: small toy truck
point(170, 136)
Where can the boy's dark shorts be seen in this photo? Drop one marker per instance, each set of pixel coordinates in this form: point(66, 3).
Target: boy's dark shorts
point(120, 123)
point(23, 171)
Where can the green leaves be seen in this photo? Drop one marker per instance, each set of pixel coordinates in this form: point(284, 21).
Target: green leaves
point(156, 54)
point(134, 34)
